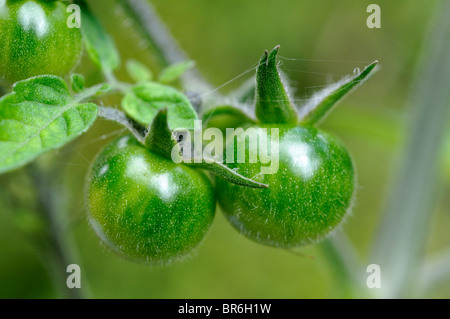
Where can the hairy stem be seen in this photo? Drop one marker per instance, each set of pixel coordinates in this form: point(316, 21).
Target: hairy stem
point(344, 264)
point(115, 115)
point(152, 28)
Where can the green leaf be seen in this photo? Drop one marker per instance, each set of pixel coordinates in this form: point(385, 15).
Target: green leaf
point(174, 72)
point(144, 100)
point(77, 82)
point(138, 71)
point(273, 104)
point(98, 42)
point(39, 115)
point(323, 101)
point(142, 17)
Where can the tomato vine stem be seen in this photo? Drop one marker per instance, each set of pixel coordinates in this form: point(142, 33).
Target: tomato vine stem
point(61, 249)
point(165, 47)
point(400, 243)
point(344, 262)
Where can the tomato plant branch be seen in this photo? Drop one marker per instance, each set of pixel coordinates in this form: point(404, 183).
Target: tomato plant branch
point(343, 261)
point(403, 233)
point(435, 272)
point(153, 29)
point(112, 114)
point(61, 250)
point(110, 77)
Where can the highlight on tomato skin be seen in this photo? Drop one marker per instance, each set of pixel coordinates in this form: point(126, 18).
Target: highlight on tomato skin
point(35, 39)
point(308, 197)
point(145, 207)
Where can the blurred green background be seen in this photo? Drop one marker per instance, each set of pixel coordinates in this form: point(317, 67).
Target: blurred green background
point(324, 40)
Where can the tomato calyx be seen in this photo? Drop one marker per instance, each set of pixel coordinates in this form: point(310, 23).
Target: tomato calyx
point(273, 103)
point(161, 140)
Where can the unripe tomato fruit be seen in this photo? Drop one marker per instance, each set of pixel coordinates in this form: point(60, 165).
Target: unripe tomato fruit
point(35, 40)
point(307, 197)
point(145, 207)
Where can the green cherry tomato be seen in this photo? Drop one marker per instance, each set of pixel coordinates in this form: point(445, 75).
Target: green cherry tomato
point(35, 40)
point(145, 207)
point(308, 196)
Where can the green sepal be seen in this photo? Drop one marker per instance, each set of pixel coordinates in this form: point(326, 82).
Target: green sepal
point(160, 139)
point(273, 105)
point(223, 171)
point(323, 101)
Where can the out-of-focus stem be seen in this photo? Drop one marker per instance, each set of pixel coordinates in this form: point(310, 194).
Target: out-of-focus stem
point(435, 273)
point(344, 264)
point(60, 250)
point(403, 234)
point(152, 28)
